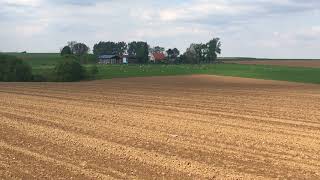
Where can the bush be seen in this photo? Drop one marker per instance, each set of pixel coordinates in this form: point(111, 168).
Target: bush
point(93, 71)
point(66, 51)
point(14, 69)
point(71, 56)
point(68, 70)
point(88, 59)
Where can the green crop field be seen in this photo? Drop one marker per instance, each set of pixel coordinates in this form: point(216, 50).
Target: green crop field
point(39, 59)
point(44, 63)
point(294, 74)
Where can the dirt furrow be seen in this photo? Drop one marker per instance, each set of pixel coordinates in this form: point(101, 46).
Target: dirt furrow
point(187, 127)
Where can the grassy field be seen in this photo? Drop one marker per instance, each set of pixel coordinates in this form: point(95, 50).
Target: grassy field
point(39, 59)
point(294, 74)
point(44, 63)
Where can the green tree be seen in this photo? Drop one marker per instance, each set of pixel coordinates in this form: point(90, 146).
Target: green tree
point(191, 56)
point(66, 51)
point(14, 69)
point(68, 70)
point(80, 49)
point(170, 55)
point(213, 48)
point(139, 50)
point(71, 45)
point(109, 47)
point(157, 49)
point(122, 48)
point(173, 55)
point(176, 52)
point(202, 53)
point(104, 48)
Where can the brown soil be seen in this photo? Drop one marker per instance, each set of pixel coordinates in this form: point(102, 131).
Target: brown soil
point(293, 63)
point(187, 127)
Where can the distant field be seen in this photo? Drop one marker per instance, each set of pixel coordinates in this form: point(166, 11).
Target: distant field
point(293, 74)
point(39, 59)
point(292, 63)
point(43, 63)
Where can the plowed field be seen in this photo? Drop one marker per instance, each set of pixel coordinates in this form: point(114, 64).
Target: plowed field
point(184, 127)
point(293, 63)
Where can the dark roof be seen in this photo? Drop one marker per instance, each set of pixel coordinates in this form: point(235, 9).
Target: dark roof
point(109, 56)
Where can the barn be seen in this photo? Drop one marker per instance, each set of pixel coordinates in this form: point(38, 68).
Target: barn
point(110, 59)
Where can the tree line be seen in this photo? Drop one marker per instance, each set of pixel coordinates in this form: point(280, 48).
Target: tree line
point(202, 53)
point(75, 54)
point(138, 51)
point(13, 69)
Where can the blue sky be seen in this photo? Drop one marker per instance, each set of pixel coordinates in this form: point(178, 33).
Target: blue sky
point(251, 28)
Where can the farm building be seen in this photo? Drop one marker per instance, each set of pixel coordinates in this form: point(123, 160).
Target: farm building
point(113, 59)
point(125, 59)
point(157, 57)
point(109, 59)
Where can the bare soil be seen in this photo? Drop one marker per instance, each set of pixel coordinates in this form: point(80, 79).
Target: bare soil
point(293, 63)
point(183, 127)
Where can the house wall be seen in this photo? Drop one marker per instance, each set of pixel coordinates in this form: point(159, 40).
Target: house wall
point(152, 58)
point(110, 61)
point(125, 60)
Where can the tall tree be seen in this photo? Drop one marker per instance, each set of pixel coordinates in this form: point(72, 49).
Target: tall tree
point(202, 53)
point(157, 49)
point(199, 50)
point(104, 48)
point(176, 52)
point(109, 47)
point(190, 56)
point(139, 50)
point(122, 48)
point(71, 45)
point(173, 54)
point(80, 49)
point(213, 48)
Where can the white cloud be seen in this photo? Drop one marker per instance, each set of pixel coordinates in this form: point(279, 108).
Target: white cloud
point(246, 27)
point(198, 9)
point(21, 2)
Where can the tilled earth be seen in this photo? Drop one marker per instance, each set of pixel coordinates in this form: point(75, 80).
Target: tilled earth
point(183, 127)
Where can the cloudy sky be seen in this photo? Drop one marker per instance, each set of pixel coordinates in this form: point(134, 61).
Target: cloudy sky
point(251, 28)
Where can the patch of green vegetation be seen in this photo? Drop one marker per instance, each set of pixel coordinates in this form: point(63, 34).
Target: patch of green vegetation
point(294, 74)
point(39, 59)
point(135, 70)
point(14, 69)
point(282, 73)
point(43, 64)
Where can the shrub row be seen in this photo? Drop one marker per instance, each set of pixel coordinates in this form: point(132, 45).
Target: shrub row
point(13, 69)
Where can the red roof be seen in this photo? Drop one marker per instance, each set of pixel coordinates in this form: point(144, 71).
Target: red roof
point(159, 56)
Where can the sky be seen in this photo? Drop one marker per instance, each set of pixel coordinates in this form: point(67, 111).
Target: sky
point(247, 28)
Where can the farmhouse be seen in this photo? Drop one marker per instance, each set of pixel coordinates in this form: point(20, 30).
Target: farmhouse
point(109, 59)
point(157, 57)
